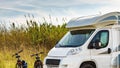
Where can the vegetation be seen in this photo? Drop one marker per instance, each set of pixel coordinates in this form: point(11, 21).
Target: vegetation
point(32, 38)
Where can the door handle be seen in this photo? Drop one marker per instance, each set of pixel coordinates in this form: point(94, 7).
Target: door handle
point(109, 50)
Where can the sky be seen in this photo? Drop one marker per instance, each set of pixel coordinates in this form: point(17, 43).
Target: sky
point(16, 10)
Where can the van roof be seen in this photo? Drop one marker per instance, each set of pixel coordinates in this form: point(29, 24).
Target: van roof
point(95, 22)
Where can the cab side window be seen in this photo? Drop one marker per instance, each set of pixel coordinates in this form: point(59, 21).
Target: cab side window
point(100, 40)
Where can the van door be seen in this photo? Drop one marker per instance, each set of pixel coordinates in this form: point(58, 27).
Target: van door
point(115, 63)
point(101, 49)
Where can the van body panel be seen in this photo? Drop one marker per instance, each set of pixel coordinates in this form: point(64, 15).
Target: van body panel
point(101, 47)
point(59, 52)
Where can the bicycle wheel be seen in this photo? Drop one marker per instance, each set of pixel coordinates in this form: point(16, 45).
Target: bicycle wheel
point(38, 64)
point(18, 65)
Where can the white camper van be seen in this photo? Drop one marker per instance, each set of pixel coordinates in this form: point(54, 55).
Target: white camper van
point(92, 42)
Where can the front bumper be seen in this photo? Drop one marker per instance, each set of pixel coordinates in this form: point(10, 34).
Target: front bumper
point(61, 62)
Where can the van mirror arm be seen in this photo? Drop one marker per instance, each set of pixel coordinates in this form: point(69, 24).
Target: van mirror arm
point(97, 44)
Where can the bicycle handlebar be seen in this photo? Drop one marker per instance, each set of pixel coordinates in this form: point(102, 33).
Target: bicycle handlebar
point(17, 53)
point(37, 54)
point(20, 51)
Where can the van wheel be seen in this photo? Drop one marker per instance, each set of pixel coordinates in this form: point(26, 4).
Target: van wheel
point(87, 66)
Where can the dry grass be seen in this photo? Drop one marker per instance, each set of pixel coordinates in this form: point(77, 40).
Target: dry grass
point(33, 38)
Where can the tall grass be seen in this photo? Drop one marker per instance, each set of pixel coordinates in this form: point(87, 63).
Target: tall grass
point(32, 38)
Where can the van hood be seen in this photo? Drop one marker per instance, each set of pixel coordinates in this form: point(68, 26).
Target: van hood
point(59, 51)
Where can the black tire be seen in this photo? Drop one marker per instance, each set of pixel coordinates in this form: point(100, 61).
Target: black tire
point(87, 66)
point(38, 64)
point(18, 66)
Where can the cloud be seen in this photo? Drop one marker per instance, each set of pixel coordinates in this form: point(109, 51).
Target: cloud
point(55, 8)
point(107, 9)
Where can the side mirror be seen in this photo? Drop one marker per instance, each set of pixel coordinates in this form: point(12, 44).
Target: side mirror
point(97, 44)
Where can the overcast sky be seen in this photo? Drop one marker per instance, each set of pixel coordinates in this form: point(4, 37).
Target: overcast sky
point(14, 10)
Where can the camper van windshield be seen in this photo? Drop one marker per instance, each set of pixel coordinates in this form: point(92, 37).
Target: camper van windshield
point(75, 38)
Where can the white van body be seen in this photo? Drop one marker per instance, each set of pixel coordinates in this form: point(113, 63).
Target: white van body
point(90, 43)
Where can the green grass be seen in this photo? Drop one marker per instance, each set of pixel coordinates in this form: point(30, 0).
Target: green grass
point(7, 61)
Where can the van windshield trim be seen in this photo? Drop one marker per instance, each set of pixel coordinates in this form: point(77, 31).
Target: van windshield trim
point(75, 38)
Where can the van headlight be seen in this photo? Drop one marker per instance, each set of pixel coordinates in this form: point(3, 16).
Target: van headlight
point(74, 51)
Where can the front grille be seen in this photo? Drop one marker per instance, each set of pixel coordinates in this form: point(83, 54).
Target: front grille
point(52, 62)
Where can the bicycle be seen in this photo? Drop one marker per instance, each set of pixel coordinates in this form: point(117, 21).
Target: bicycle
point(38, 63)
point(20, 63)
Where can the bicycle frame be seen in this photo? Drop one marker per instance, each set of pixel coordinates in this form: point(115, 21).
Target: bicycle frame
point(20, 63)
point(38, 63)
